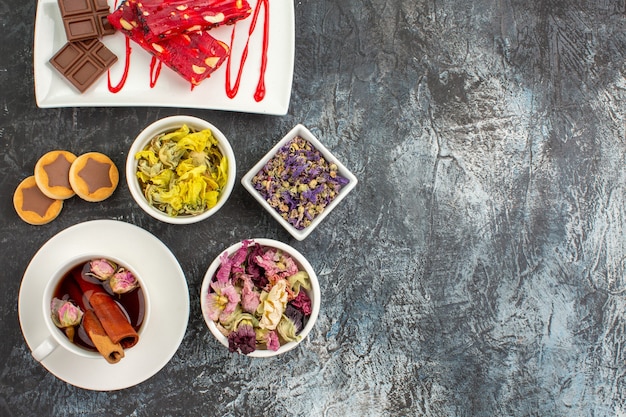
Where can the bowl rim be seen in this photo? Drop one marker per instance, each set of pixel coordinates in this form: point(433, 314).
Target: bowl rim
point(300, 260)
point(300, 130)
point(168, 123)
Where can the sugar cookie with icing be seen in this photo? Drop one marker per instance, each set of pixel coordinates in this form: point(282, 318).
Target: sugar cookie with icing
point(32, 205)
point(52, 174)
point(93, 176)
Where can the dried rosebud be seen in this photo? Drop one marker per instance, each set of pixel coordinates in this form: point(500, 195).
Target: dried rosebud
point(65, 314)
point(102, 269)
point(123, 281)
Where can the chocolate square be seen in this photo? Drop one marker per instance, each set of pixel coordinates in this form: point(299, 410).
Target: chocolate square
point(84, 73)
point(74, 7)
point(85, 19)
point(66, 57)
point(104, 26)
point(87, 44)
point(82, 63)
point(81, 27)
point(104, 55)
point(101, 5)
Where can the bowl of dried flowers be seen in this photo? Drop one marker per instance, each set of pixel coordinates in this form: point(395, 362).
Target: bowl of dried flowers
point(181, 169)
point(299, 182)
point(260, 297)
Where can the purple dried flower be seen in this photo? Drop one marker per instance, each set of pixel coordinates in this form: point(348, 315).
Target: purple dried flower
point(311, 195)
point(254, 270)
point(242, 340)
point(315, 171)
point(341, 180)
point(296, 316)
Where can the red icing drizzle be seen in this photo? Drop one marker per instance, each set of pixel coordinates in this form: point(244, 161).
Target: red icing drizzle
point(155, 70)
point(120, 85)
point(259, 93)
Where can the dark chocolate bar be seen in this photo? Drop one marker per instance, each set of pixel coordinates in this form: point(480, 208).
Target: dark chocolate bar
point(83, 62)
point(85, 19)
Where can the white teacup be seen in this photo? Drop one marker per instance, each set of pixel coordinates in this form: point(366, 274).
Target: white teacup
point(56, 338)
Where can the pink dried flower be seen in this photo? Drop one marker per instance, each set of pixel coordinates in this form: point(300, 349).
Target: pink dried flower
point(232, 264)
point(239, 257)
point(223, 301)
point(268, 261)
point(250, 298)
point(277, 263)
point(254, 298)
point(272, 341)
point(223, 273)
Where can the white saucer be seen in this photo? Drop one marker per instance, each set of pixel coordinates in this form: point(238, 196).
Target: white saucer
point(169, 297)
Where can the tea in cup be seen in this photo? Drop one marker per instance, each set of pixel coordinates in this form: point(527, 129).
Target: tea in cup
point(94, 306)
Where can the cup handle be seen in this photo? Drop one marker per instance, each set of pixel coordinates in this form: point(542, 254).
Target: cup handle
point(45, 348)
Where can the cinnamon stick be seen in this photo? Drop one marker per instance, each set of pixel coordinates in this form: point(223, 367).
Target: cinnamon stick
point(112, 352)
point(109, 313)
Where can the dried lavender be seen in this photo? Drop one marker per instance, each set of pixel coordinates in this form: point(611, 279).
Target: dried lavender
point(298, 182)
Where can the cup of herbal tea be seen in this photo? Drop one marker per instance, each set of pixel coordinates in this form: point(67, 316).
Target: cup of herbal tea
point(94, 306)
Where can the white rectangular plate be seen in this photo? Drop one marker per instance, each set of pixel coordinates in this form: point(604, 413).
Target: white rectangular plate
point(171, 90)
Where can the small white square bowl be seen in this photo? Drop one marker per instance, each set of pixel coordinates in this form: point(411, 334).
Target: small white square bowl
point(303, 132)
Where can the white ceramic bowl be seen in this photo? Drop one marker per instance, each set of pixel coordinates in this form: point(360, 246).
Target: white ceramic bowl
point(166, 125)
point(300, 130)
point(314, 294)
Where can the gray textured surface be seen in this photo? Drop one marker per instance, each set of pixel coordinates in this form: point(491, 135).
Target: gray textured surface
point(479, 267)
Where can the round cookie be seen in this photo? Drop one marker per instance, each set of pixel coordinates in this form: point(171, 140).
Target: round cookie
point(52, 174)
point(94, 176)
point(33, 206)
